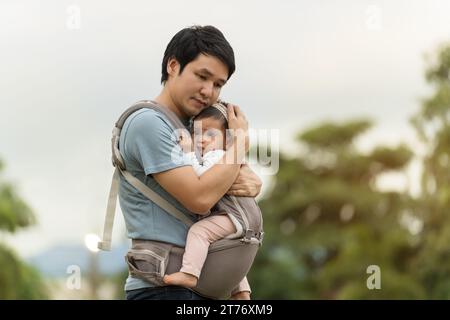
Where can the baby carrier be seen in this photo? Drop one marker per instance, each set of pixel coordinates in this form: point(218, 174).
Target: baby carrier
point(228, 260)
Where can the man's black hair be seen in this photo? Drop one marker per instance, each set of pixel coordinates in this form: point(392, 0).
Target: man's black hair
point(188, 43)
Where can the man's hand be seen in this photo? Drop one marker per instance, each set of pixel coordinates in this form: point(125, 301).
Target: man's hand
point(238, 127)
point(247, 184)
point(242, 295)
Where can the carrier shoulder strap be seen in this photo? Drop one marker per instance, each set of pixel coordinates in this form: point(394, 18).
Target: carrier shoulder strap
point(144, 104)
point(118, 162)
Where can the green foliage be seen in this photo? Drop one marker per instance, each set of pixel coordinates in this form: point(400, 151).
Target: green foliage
point(392, 159)
point(17, 279)
point(330, 135)
point(434, 203)
point(14, 213)
point(326, 221)
point(438, 72)
point(432, 123)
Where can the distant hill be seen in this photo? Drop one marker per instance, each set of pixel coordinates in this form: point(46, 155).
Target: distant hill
point(55, 261)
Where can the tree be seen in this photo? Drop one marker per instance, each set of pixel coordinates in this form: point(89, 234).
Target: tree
point(432, 124)
point(326, 222)
point(17, 279)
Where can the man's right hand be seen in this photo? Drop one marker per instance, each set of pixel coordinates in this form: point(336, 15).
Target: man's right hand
point(238, 125)
point(247, 184)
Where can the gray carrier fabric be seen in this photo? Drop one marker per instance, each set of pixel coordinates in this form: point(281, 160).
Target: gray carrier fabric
point(227, 263)
point(228, 260)
point(244, 213)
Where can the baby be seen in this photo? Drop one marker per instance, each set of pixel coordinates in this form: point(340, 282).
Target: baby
point(212, 142)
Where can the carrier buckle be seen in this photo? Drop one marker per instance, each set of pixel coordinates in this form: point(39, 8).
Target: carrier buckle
point(261, 236)
point(248, 236)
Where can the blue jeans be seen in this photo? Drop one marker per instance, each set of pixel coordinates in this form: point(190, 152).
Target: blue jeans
point(163, 293)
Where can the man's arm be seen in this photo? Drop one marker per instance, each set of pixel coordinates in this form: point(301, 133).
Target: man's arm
point(199, 194)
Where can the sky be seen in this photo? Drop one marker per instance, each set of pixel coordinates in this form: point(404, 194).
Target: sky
point(69, 68)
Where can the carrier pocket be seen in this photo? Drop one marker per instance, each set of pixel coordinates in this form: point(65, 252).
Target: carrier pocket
point(148, 264)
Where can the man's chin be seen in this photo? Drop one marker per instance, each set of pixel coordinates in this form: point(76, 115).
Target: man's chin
point(196, 107)
point(193, 111)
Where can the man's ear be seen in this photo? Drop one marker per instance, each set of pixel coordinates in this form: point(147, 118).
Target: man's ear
point(173, 67)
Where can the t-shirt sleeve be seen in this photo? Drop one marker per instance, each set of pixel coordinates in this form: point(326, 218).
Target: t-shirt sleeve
point(150, 141)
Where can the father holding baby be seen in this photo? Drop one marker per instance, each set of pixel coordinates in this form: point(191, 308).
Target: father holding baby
point(197, 62)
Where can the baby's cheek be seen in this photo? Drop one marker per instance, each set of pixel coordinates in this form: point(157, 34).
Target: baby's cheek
point(219, 143)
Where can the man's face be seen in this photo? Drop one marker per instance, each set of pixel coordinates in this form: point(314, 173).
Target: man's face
point(198, 86)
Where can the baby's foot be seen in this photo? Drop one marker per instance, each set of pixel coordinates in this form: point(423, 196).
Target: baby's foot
point(181, 279)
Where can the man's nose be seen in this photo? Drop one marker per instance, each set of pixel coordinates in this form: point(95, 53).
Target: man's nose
point(207, 90)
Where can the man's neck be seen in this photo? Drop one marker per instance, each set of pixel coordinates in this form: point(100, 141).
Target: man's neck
point(165, 100)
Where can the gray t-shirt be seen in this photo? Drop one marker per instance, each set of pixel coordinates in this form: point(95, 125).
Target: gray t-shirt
point(148, 146)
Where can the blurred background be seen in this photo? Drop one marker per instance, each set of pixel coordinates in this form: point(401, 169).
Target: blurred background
point(358, 92)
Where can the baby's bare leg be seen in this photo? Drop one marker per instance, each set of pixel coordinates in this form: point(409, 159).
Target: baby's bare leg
point(200, 236)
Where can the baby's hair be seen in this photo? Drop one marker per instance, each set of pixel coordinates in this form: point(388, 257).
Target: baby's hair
point(216, 111)
point(212, 112)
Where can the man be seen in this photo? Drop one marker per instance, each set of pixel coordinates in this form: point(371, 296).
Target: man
point(197, 62)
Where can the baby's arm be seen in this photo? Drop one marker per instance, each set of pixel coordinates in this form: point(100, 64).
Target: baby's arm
point(209, 160)
point(195, 163)
point(186, 145)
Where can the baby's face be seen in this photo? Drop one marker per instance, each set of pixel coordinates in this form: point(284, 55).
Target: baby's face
point(212, 135)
